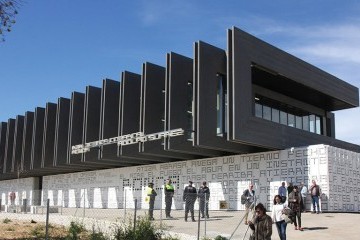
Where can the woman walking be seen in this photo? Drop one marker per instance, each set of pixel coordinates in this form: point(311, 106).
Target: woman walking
point(278, 216)
point(295, 205)
point(261, 224)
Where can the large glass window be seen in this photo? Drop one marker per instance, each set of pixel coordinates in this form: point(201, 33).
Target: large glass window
point(283, 117)
point(291, 120)
point(312, 123)
point(267, 113)
point(258, 110)
point(221, 105)
point(306, 123)
point(275, 115)
point(272, 110)
point(318, 125)
point(298, 122)
point(189, 104)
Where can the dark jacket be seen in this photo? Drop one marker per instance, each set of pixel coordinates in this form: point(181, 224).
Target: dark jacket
point(262, 228)
point(190, 194)
point(317, 190)
point(204, 192)
point(295, 205)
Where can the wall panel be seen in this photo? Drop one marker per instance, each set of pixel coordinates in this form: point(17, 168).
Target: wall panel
point(17, 148)
point(38, 138)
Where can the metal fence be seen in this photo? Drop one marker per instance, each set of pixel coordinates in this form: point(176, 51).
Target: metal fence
point(190, 216)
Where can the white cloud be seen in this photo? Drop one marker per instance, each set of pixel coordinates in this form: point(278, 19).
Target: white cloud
point(333, 48)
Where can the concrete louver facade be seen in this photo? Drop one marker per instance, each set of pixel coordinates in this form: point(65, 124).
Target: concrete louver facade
point(252, 97)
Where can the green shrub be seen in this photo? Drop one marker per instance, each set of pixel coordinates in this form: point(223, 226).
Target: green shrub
point(220, 238)
point(144, 229)
point(75, 230)
point(6, 220)
point(10, 229)
point(206, 238)
point(168, 237)
point(96, 235)
point(38, 231)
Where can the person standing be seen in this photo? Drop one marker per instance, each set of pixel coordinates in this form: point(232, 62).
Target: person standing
point(303, 192)
point(282, 192)
point(315, 194)
point(295, 205)
point(277, 216)
point(151, 194)
point(261, 224)
point(12, 197)
point(169, 193)
point(189, 198)
point(249, 194)
point(290, 188)
point(204, 196)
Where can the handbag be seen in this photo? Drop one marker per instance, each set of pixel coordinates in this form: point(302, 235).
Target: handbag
point(288, 215)
point(243, 199)
point(287, 219)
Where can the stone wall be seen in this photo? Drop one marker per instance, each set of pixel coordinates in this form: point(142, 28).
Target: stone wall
point(24, 188)
point(337, 171)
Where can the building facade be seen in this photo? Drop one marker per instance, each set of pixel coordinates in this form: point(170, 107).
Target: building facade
point(250, 98)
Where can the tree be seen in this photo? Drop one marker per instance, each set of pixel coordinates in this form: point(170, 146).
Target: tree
point(8, 11)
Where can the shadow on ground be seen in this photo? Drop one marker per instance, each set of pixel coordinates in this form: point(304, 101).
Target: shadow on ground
point(315, 228)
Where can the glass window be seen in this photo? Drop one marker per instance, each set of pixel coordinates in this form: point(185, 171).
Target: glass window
point(283, 117)
point(278, 112)
point(267, 113)
point(312, 123)
point(291, 120)
point(306, 123)
point(318, 125)
point(258, 110)
point(189, 126)
point(221, 105)
point(298, 122)
point(275, 115)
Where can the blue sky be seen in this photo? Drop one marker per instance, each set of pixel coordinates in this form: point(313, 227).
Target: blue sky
point(57, 47)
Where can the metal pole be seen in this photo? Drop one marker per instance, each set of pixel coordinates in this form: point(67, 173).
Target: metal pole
point(135, 214)
point(47, 219)
point(242, 219)
point(125, 205)
point(198, 235)
point(206, 213)
point(62, 201)
point(84, 203)
point(161, 210)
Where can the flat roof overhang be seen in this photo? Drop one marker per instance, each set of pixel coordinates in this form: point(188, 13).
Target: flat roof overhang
point(276, 82)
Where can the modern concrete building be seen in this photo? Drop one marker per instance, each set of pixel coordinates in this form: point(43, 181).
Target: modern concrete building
point(251, 98)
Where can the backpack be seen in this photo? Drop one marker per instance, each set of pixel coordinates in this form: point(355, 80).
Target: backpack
point(244, 196)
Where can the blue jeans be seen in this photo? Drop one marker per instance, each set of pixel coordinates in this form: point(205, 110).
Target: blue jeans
point(315, 200)
point(281, 227)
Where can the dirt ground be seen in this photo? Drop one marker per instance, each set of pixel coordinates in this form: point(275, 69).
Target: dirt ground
point(16, 229)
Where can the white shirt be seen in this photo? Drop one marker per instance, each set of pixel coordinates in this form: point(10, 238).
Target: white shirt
point(277, 214)
point(304, 191)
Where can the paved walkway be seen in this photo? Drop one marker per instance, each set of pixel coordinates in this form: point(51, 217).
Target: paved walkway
point(322, 226)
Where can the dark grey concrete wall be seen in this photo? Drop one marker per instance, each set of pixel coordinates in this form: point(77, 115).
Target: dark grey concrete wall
point(9, 146)
point(17, 147)
point(49, 135)
point(110, 113)
point(38, 138)
point(62, 132)
point(27, 141)
point(76, 125)
point(3, 129)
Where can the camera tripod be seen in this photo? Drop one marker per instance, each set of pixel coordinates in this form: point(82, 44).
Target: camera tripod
point(251, 207)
